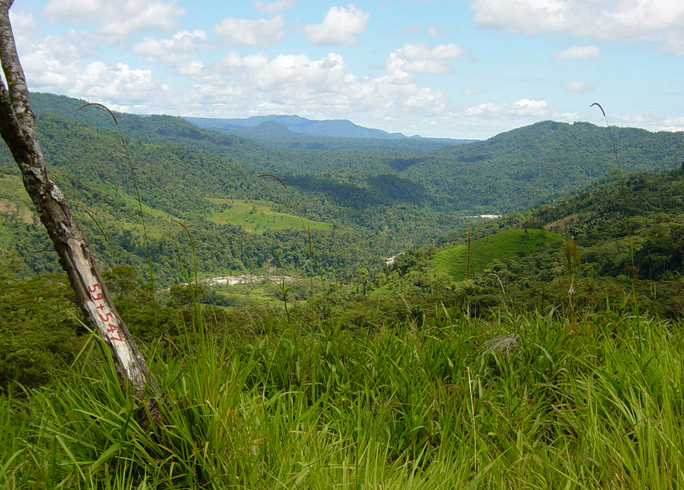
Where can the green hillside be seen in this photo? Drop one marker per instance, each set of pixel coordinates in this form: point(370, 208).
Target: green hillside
point(540, 163)
point(99, 176)
point(622, 244)
point(484, 251)
point(259, 216)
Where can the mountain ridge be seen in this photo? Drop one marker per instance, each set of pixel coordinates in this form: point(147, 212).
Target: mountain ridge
point(297, 124)
point(332, 128)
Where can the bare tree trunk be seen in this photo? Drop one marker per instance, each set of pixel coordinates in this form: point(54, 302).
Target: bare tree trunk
point(18, 129)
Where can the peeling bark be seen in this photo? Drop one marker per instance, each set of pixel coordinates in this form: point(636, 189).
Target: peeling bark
point(18, 129)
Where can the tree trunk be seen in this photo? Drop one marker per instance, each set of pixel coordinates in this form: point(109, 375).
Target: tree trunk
point(18, 129)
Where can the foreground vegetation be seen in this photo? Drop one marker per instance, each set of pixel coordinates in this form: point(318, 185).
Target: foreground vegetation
point(442, 402)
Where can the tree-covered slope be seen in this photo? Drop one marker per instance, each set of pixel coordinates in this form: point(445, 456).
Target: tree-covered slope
point(511, 171)
point(541, 162)
point(613, 244)
point(101, 171)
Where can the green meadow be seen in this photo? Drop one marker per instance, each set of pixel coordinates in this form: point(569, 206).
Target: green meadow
point(509, 243)
point(258, 216)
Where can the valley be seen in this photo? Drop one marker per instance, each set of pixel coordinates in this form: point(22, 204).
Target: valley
point(358, 204)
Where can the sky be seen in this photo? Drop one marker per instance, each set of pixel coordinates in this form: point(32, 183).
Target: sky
point(437, 68)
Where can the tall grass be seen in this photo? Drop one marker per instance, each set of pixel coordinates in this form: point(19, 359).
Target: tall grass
point(133, 175)
point(430, 405)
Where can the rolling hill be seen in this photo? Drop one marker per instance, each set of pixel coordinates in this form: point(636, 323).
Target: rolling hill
point(453, 260)
point(366, 201)
point(615, 246)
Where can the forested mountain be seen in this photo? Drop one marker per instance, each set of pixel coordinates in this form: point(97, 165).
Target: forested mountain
point(540, 163)
point(293, 132)
point(511, 171)
point(297, 124)
point(358, 203)
point(100, 178)
point(182, 172)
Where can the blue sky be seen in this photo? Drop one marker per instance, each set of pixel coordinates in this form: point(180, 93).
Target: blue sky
point(456, 69)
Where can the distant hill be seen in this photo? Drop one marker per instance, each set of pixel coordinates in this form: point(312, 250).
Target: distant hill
point(546, 160)
point(511, 171)
point(209, 180)
point(340, 128)
point(299, 132)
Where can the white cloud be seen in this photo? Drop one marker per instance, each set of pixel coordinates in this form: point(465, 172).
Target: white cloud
point(611, 19)
point(245, 32)
point(567, 116)
point(56, 64)
point(291, 74)
point(340, 27)
point(674, 124)
point(423, 100)
point(527, 107)
point(576, 87)
point(522, 108)
point(396, 72)
point(122, 83)
point(272, 7)
point(422, 52)
point(191, 69)
point(418, 58)
point(675, 47)
point(117, 17)
point(181, 46)
point(22, 22)
point(324, 87)
point(579, 87)
point(578, 53)
point(483, 109)
point(677, 121)
point(427, 66)
point(473, 91)
point(51, 62)
point(96, 81)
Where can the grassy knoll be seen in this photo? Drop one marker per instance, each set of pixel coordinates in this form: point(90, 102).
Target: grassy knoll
point(484, 251)
point(515, 402)
point(263, 292)
point(258, 216)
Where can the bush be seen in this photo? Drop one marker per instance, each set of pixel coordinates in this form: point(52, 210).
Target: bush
point(39, 329)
